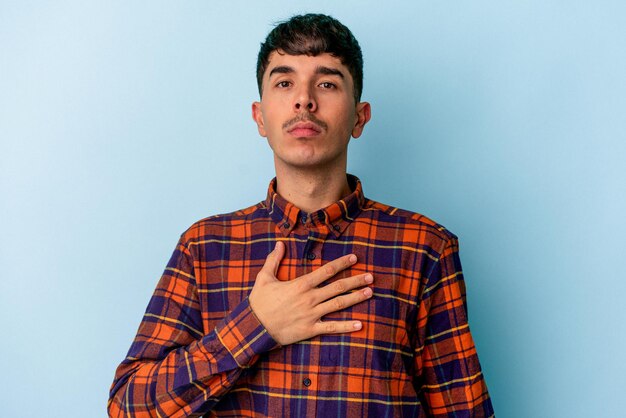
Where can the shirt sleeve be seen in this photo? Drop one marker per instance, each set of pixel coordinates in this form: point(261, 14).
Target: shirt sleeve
point(451, 380)
point(174, 368)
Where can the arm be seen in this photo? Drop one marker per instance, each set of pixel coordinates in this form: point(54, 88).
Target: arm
point(452, 383)
point(172, 368)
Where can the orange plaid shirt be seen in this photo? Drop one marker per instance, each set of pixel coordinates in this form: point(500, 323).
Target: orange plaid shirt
point(200, 351)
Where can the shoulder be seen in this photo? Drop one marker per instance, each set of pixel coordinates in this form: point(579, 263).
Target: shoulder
point(413, 225)
point(230, 224)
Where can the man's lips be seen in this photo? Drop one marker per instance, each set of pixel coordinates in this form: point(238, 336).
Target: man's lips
point(304, 129)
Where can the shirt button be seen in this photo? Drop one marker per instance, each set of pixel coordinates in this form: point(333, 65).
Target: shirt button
point(306, 382)
point(310, 256)
point(336, 227)
point(303, 220)
point(286, 225)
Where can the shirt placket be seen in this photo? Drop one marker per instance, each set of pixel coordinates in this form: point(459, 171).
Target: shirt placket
point(312, 253)
point(312, 258)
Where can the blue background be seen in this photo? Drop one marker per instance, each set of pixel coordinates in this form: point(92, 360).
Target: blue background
point(121, 123)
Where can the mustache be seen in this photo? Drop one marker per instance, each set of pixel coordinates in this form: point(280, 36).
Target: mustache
point(305, 117)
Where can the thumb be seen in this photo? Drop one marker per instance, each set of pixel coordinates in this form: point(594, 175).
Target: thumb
point(272, 262)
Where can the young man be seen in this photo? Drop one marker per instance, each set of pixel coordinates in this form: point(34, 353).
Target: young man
point(316, 301)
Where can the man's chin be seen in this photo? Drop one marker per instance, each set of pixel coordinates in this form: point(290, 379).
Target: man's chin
point(311, 162)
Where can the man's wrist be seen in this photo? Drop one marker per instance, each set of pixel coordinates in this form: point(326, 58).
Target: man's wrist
point(244, 336)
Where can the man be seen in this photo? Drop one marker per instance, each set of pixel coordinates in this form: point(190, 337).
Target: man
point(316, 301)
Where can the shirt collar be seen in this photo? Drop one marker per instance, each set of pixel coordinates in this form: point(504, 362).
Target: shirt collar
point(333, 219)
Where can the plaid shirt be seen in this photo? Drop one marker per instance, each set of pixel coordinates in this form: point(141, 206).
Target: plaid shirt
point(201, 350)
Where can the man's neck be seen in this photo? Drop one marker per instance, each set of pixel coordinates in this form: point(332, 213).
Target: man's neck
point(313, 190)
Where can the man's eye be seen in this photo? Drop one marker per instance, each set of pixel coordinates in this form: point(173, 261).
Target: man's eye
point(283, 84)
point(327, 85)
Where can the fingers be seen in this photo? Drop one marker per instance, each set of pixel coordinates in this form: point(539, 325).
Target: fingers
point(337, 327)
point(344, 301)
point(272, 262)
point(330, 269)
point(343, 285)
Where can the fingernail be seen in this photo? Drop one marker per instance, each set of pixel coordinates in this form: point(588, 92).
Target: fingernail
point(352, 258)
point(357, 325)
point(368, 292)
point(369, 278)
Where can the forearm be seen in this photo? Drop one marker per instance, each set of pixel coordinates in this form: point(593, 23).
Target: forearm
point(199, 373)
point(190, 379)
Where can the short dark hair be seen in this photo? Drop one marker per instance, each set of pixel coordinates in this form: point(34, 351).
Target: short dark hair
point(313, 34)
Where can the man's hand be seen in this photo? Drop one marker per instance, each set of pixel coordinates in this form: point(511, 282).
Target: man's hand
point(291, 311)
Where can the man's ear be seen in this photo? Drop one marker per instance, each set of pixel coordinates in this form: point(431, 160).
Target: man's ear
point(257, 115)
point(363, 115)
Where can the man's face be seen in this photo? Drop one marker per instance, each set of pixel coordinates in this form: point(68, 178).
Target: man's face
point(307, 110)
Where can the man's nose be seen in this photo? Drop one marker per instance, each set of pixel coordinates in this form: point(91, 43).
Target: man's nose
point(305, 100)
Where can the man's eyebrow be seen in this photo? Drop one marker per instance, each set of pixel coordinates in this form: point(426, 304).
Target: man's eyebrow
point(282, 69)
point(285, 69)
point(328, 71)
